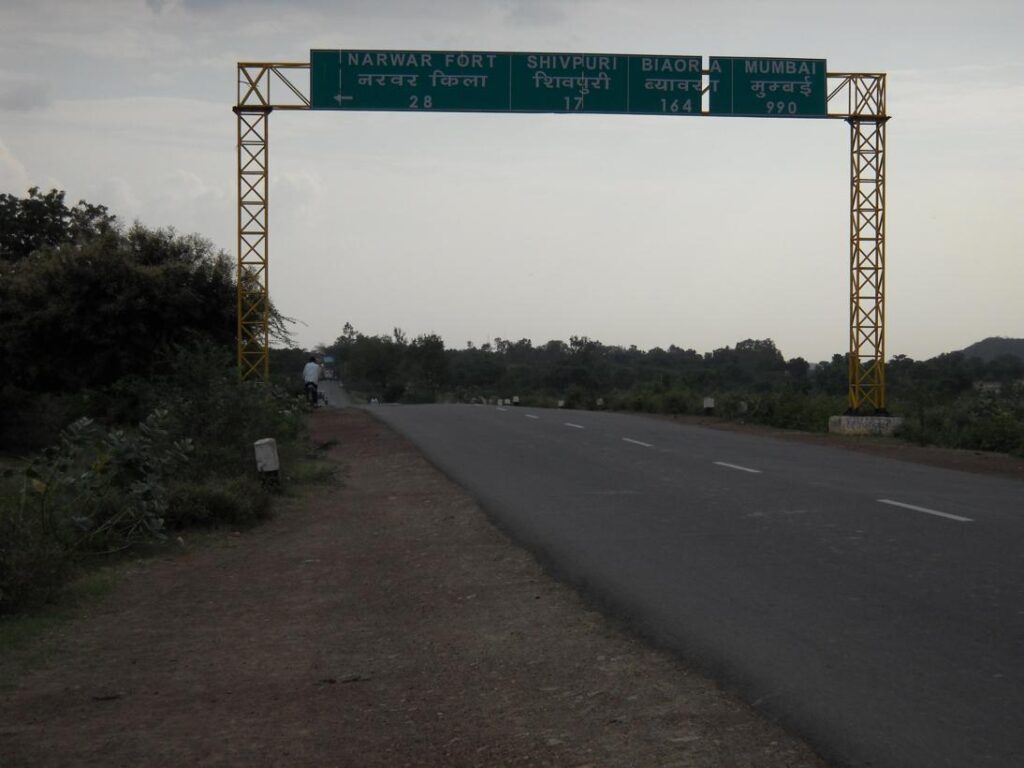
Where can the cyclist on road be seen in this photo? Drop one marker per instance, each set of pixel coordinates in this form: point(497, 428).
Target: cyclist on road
point(311, 375)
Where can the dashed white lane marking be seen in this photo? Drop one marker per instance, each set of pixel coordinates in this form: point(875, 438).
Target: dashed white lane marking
point(637, 442)
point(737, 466)
point(531, 416)
point(574, 426)
point(503, 409)
point(927, 511)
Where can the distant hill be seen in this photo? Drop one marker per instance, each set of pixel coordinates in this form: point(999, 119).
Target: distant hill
point(991, 348)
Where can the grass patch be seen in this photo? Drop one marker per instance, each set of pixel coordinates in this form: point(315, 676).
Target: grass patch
point(312, 471)
point(29, 639)
point(235, 501)
point(309, 464)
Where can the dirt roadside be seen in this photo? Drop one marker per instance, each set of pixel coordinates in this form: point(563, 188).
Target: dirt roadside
point(382, 622)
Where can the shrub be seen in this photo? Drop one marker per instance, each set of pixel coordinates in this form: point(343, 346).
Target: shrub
point(237, 501)
point(676, 401)
point(106, 489)
point(34, 559)
point(97, 490)
point(221, 416)
point(793, 410)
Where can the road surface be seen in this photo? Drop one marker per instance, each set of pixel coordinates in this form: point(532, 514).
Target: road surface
point(335, 395)
point(875, 606)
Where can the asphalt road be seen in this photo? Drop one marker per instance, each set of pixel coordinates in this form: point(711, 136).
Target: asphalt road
point(874, 606)
point(335, 395)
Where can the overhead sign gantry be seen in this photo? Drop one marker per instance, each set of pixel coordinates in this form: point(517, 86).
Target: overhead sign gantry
point(489, 81)
point(478, 81)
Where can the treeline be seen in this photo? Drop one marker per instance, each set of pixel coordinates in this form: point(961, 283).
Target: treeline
point(121, 414)
point(995, 346)
point(951, 400)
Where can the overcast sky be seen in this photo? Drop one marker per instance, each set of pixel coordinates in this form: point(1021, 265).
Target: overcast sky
point(694, 231)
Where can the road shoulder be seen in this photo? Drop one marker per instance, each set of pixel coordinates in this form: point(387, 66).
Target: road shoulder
point(381, 622)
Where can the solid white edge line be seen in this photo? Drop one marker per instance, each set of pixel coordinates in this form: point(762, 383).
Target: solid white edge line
point(637, 442)
point(574, 426)
point(737, 466)
point(927, 511)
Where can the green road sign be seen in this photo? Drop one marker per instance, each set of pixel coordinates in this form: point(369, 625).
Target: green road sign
point(753, 87)
point(476, 81)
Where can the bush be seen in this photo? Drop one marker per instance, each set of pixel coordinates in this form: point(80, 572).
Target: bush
point(35, 560)
point(971, 422)
point(199, 388)
point(103, 489)
point(96, 491)
point(237, 501)
point(676, 401)
point(418, 395)
point(795, 410)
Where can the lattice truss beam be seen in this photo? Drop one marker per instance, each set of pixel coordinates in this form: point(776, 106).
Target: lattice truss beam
point(253, 286)
point(867, 264)
point(253, 279)
point(861, 100)
point(858, 98)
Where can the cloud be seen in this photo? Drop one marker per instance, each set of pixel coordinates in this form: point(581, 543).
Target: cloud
point(187, 188)
point(184, 198)
point(22, 94)
point(359, 9)
point(13, 176)
point(534, 13)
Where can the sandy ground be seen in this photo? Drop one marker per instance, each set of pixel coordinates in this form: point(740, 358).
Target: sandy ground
point(382, 621)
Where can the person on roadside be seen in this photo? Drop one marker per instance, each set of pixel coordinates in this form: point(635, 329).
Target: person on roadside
point(311, 375)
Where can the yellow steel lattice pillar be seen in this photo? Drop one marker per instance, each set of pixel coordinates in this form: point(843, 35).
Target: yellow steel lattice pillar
point(253, 111)
point(253, 311)
point(867, 264)
point(253, 297)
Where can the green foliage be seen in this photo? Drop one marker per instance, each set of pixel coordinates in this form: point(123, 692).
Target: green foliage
point(42, 221)
point(97, 490)
point(116, 346)
point(391, 368)
point(113, 483)
point(86, 305)
point(86, 315)
point(996, 346)
point(677, 401)
point(221, 415)
point(34, 559)
point(793, 410)
point(104, 489)
point(943, 398)
point(239, 500)
point(981, 422)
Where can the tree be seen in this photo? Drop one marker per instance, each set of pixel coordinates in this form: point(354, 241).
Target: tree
point(832, 377)
point(797, 369)
point(427, 365)
point(87, 313)
point(84, 302)
point(42, 221)
point(375, 363)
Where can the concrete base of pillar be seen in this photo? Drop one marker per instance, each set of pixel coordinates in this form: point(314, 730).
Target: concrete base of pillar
point(864, 425)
